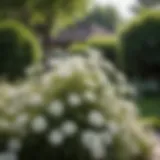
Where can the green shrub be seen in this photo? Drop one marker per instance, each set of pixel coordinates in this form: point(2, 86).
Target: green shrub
point(149, 106)
point(153, 122)
point(78, 48)
point(140, 45)
point(18, 49)
point(74, 112)
point(108, 46)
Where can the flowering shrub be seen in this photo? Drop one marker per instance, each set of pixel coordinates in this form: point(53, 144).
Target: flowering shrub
point(77, 111)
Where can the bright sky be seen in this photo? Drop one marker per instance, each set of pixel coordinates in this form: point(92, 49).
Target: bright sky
point(121, 5)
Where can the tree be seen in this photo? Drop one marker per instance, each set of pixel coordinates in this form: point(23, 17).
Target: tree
point(106, 16)
point(142, 5)
point(50, 10)
point(53, 10)
point(17, 9)
point(148, 3)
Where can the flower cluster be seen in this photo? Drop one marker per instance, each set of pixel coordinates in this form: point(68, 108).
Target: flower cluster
point(77, 110)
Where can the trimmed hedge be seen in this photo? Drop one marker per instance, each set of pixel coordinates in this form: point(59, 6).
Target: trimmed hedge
point(78, 48)
point(140, 45)
point(18, 49)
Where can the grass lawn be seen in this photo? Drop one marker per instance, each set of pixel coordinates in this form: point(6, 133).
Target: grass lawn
point(150, 107)
point(150, 111)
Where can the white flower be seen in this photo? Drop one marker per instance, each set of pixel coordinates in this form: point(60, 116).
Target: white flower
point(112, 127)
point(2, 103)
point(14, 145)
point(93, 142)
point(31, 70)
point(35, 100)
point(123, 89)
point(21, 120)
point(74, 100)
point(87, 137)
point(135, 149)
point(90, 96)
point(4, 123)
point(109, 68)
point(8, 156)
point(54, 62)
point(64, 72)
point(94, 54)
point(102, 78)
point(56, 137)
point(106, 137)
point(128, 108)
point(89, 83)
point(121, 77)
point(12, 92)
point(96, 119)
point(39, 124)
point(98, 150)
point(46, 80)
point(78, 63)
point(56, 108)
point(10, 110)
point(69, 128)
point(25, 88)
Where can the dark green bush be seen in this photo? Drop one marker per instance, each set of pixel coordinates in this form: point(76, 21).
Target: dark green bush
point(140, 45)
point(18, 49)
point(107, 46)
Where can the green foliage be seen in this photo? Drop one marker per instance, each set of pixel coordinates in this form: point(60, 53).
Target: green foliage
point(145, 5)
point(149, 106)
point(140, 44)
point(152, 122)
point(149, 3)
point(78, 48)
point(107, 45)
point(18, 49)
point(106, 16)
point(46, 11)
point(11, 5)
point(76, 111)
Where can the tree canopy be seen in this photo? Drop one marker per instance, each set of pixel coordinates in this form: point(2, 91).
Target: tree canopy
point(144, 5)
point(106, 16)
point(50, 10)
point(148, 3)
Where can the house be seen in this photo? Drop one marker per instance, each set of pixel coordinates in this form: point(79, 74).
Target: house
point(79, 32)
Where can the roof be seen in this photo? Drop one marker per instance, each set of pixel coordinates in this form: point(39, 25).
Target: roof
point(81, 32)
